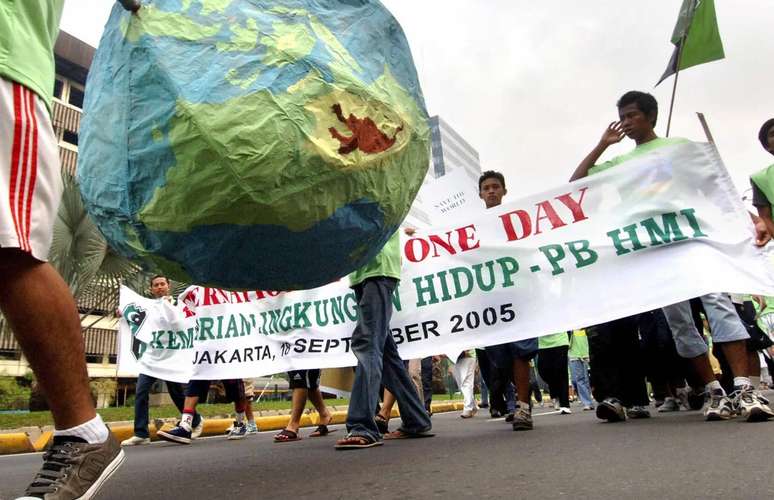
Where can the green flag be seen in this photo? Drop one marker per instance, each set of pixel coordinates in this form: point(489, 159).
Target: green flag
point(696, 37)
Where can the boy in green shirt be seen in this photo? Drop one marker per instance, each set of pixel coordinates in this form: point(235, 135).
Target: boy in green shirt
point(763, 181)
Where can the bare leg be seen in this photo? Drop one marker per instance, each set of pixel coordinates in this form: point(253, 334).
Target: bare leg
point(387, 404)
point(299, 403)
point(42, 313)
point(315, 396)
point(249, 411)
point(701, 364)
point(736, 355)
point(521, 379)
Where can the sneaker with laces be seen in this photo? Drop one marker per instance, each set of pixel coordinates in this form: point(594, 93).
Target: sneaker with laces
point(252, 428)
point(720, 407)
point(637, 412)
point(750, 406)
point(522, 420)
point(670, 404)
point(73, 468)
point(197, 431)
point(238, 431)
point(178, 434)
point(135, 441)
point(611, 410)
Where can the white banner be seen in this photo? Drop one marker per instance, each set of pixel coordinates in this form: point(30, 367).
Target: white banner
point(656, 230)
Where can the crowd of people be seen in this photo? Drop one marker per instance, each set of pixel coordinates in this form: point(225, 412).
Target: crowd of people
point(667, 347)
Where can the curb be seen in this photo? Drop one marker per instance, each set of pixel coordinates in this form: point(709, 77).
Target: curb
point(19, 442)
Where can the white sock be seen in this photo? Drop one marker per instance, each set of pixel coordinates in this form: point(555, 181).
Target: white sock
point(741, 381)
point(755, 382)
point(240, 417)
point(525, 405)
point(714, 386)
point(93, 432)
point(186, 421)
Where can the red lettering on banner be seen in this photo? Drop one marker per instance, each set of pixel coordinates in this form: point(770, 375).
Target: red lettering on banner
point(211, 297)
point(574, 206)
point(549, 214)
point(461, 239)
point(524, 221)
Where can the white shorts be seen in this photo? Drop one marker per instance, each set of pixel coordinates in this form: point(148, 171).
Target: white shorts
point(30, 175)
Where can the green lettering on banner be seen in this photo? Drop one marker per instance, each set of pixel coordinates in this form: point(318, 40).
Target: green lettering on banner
point(186, 338)
point(320, 321)
point(554, 254)
point(429, 290)
point(301, 320)
point(690, 214)
point(205, 329)
point(337, 313)
point(670, 232)
point(445, 295)
point(286, 318)
point(478, 269)
point(220, 326)
point(231, 330)
point(509, 267)
point(461, 290)
point(156, 342)
point(350, 306)
point(620, 249)
point(577, 249)
point(274, 318)
point(172, 344)
point(395, 301)
point(246, 327)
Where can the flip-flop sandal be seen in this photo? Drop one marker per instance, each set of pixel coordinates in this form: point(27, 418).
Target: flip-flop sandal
point(399, 434)
point(321, 431)
point(356, 442)
point(286, 436)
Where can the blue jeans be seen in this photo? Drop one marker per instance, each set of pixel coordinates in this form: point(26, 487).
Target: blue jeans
point(379, 363)
point(144, 383)
point(579, 369)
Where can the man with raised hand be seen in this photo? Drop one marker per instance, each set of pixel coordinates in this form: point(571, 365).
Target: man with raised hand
point(638, 112)
point(511, 358)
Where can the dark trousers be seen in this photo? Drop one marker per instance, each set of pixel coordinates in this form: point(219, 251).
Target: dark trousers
point(144, 383)
point(616, 362)
point(427, 382)
point(665, 366)
point(552, 365)
point(496, 379)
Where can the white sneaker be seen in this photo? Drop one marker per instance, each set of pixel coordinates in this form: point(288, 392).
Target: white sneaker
point(750, 405)
point(135, 441)
point(720, 407)
point(670, 404)
point(197, 431)
point(563, 410)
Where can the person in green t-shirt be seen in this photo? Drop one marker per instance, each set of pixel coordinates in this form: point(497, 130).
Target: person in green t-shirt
point(552, 366)
point(763, 181)
point(378, 361)
point(579, 368)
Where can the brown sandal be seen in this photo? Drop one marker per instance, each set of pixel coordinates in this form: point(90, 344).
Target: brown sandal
point(356, 442)
point(286, 436)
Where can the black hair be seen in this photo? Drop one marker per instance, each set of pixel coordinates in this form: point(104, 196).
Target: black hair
point(491, 174)
point(764, 132)
point(645, 103)
point(159, 276)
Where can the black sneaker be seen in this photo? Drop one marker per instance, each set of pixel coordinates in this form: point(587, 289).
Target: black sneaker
point(73, 468)
point(611, 410)
point(176, 435)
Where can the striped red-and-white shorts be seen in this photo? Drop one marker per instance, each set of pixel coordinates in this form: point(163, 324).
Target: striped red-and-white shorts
point(30, 178)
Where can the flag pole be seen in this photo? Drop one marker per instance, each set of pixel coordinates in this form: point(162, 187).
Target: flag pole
point(674, 85)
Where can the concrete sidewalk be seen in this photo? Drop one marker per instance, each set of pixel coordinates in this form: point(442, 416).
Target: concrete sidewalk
point(32, 439)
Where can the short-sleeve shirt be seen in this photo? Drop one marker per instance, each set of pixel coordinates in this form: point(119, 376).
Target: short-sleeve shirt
point(385, 264)
point(640, 150)
point(554, 340)
point(579, 347)
point(28, 31)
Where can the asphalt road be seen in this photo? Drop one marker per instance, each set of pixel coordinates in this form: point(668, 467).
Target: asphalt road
point(673, 456)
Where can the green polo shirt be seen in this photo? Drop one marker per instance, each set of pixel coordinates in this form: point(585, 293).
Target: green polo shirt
point(579, 346)
point(385, 264)
point(553, 340)
point(28, 31)
point(764, 181)
point(640, 150)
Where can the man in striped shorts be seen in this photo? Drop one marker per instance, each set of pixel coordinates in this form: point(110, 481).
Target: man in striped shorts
point(34, 299)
